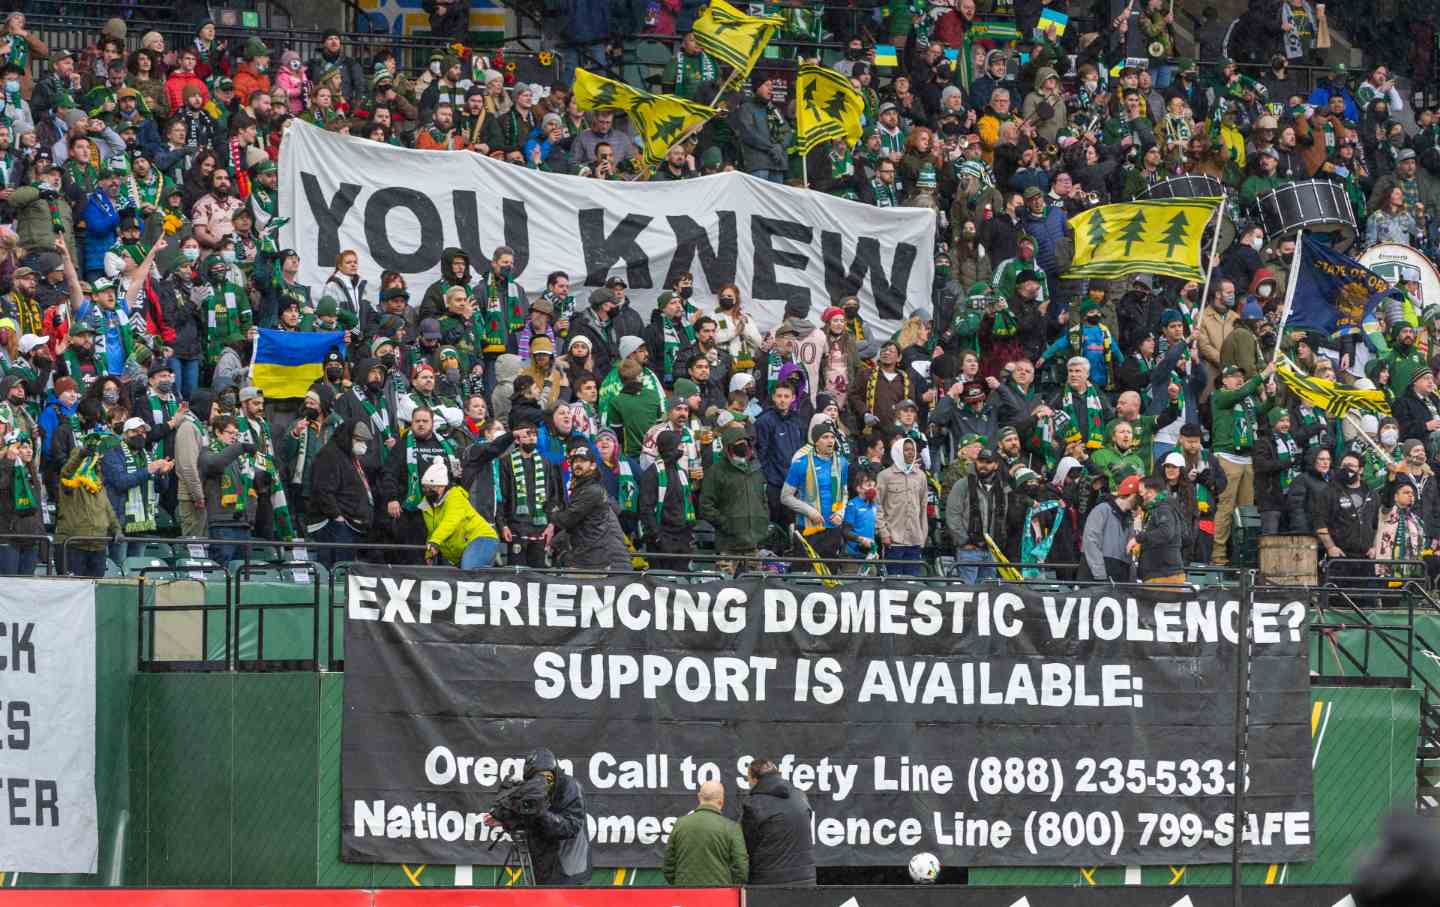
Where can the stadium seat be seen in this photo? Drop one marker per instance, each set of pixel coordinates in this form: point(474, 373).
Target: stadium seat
point(161, 550)
point(134, 564)
point(113, 569)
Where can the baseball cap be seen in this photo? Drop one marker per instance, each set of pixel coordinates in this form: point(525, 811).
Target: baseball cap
point(1130, 486)
point(133, 423)
point(1175, 458)
point(31, 341)
point(251, 392)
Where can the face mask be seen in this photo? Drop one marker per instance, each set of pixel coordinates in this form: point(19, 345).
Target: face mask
point(312, 413)
point(1257, 243)
point(228, 256)
point(1091, 85)
point(686, 291)
point(1228, 299)
point(435, 68)
point(527, 446)
point(854, 53)
point(388, 360)
point(1092, 318)
point(1346, 475)
point(506, 272)
point(375, 386)
point(726, 302)
point(1389, 437)
point(741, 450)
point(1264, 292)
point(434, 495)
point(163, 387)
point(136, 443)
point(358, 448)
point(334, 373)
point(110, 395)
point(12, 86)
point(191, 255)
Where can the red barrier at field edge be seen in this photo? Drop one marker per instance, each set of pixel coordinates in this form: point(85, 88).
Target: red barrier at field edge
point(385, 897)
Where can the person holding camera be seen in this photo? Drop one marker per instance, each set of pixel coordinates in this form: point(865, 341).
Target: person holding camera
point(557, 834)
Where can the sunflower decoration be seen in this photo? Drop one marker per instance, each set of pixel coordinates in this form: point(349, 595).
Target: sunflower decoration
point(546, 58)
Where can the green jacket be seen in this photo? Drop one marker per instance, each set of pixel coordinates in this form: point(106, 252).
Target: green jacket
point(706, 849)
point(1222, 408)
point(1255, 186)
point(80, 512)
point(732, 499)
point(632, 414)
point(33, 225)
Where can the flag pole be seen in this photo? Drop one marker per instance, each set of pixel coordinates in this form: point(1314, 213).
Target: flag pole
point(1379, 451)
point(1214, 247)
point(1293, 279)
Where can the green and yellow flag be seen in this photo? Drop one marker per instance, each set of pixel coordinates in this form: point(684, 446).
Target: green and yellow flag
point(829, 108)
point(1327, 395)
point(1155, 237)
point(661, 120)
point(734, 38)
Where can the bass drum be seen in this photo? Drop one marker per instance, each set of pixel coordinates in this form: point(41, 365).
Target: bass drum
point(1197, 185)
point(1318, 206)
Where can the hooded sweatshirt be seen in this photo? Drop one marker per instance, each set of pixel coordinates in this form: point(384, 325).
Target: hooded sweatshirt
point(900, 511)
point(432, 305)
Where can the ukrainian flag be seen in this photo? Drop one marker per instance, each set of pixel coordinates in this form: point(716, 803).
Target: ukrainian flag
point(286, 363)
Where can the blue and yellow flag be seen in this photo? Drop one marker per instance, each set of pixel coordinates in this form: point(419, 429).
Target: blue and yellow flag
point(286, 363)
point(1150, 237)
point(1334, 294)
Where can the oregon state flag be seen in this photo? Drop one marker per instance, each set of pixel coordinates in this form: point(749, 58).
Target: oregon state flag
point(1327, 395)
point(828, 108)
point(660, 120)
point(1155, 237)
point(286, 363)
point(734, 38)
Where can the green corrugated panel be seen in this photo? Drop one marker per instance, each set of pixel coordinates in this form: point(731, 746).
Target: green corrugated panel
point(190, 779)
point(329, 871)
point(275, 790)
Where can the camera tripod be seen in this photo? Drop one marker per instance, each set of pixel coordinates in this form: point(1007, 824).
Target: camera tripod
point(518, 856)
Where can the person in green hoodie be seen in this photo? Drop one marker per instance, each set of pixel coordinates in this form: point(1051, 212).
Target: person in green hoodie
point(732, 498)
point(1235, 411)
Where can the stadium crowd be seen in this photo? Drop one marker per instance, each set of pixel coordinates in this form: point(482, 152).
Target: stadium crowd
point(1122, 428)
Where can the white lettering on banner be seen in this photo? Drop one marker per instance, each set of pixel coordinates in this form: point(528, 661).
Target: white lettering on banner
point(778, 244)
point(47, 726)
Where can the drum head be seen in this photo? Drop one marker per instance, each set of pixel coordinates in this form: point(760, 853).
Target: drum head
point(1318, 206)
point(1188, 186)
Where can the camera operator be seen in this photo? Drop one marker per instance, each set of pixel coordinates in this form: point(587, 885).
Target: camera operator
point(557, 834)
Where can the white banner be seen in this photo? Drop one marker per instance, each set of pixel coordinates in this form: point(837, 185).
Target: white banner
point(47, 725)
point(400, 208)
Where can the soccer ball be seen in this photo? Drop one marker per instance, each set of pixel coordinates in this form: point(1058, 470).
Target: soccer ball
point(924, 868)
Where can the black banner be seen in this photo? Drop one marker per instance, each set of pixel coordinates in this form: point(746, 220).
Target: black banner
point(989, 726)
point(1092, 896)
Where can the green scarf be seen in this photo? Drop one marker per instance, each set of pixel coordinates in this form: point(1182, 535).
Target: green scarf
point(378, 421)
point(1286, 451)
point(502, 317)
point(1160, 498)
point(629, 489)
point(529, 486)
point(1093, 416)
point(885, 195)
point(22, 491)
point(412, 469)
point(812, 488)
point(662, 479)
point(691, 72)
point(674, 340)
point(95, 445)
point(140, 499)
point(1244, 425)
point(161, 411)
point(237, 482)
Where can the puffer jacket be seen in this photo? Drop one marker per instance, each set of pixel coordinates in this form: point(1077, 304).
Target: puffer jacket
point(454, 524)
point(900, 494)
point(81, 512)
point(591, 522)
point(776, 822)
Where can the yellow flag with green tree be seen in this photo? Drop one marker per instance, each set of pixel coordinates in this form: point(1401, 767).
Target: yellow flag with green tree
point(828, 107)
point(1151, 237)
point(734, 38)
point(661, 120)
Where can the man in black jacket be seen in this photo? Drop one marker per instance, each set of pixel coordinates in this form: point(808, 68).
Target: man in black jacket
point(590, 519)
point(1417, 409)
point(341, 506)
point(1349, 513)
point(1159, 536)
point(776, 822)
